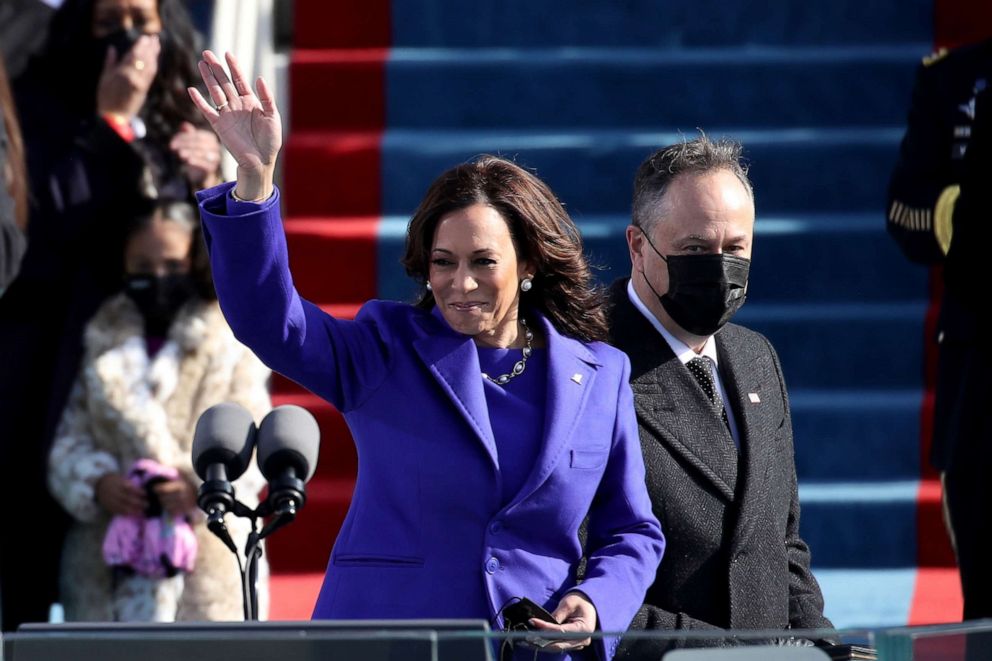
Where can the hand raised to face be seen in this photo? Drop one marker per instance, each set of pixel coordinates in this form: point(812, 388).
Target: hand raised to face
point(125, 81)
point(248, 125)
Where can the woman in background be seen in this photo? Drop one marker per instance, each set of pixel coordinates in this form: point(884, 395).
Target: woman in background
point(106, 123)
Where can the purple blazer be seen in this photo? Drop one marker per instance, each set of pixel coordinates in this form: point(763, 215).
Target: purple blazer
point(426, 535)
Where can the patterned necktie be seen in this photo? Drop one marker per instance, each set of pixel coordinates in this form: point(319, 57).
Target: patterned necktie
point(700, 368)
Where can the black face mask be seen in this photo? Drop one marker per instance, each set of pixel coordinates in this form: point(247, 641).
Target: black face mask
point(122, 42)
point(704, 291)
point(159, 298)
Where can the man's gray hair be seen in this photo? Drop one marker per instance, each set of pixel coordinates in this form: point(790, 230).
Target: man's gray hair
point(695, 156)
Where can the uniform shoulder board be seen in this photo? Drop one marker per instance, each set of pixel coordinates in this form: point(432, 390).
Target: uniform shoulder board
point(934, 57)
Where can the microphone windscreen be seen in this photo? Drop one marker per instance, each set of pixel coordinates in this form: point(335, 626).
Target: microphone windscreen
point(225, 433)
point(288, 437)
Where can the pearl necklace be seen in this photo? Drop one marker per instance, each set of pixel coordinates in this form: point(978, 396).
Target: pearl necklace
point(520, 365)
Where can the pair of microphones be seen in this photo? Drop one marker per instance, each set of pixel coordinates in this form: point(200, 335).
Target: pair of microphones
point(287, 441)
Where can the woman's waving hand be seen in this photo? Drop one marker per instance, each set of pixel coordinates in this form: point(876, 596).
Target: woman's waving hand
point(248, 124)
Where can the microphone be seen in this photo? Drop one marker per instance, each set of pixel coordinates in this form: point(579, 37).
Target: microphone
point(288, 443)
point(222, 447)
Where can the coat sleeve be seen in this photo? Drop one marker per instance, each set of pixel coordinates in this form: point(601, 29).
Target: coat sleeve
point(342, 361)
point(653, 619)
point(625, 542)
point(805, 598)
point(87, 177)
point(74, 462)
point(83, 182)
point(965, 266)
point(922, 190)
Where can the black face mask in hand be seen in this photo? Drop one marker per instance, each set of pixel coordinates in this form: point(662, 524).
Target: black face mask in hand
point(704, 291)
point(122, 42)
point(158, 299)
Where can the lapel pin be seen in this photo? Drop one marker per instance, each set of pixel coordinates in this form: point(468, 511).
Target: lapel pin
point(753, 396)
point(577, 378)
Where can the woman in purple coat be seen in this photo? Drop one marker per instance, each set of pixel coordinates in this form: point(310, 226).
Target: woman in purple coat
point(490, 419)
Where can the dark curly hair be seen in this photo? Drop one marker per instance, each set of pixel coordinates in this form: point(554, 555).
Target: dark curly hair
point(542, 233)
point(72, 66)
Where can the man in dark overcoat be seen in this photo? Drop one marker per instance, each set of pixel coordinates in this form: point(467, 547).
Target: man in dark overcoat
point(711, 404)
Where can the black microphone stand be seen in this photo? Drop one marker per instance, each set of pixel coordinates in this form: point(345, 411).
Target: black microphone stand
point(286, 498)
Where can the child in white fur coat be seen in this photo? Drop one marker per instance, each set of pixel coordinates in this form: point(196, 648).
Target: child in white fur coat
point(156, 356)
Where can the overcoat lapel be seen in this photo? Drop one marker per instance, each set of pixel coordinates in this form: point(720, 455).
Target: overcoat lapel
point(678, 413)
point(571, 375)
point(453, 361)
point(669, 402)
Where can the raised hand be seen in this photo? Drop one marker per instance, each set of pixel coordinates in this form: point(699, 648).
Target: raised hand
point(249, 126)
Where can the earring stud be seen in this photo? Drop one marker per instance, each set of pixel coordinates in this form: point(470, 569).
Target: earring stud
point(526, 284)
point(429, 288)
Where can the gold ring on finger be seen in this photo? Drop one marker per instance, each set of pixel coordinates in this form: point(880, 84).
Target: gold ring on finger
point(221, 106)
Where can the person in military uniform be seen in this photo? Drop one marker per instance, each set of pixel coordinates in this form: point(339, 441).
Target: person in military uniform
point(937, 214)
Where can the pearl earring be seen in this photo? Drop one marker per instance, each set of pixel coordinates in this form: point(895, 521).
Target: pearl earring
point(429, 288)
point(526, 284)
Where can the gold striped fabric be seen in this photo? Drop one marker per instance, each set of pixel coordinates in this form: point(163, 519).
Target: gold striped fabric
point(912, 218)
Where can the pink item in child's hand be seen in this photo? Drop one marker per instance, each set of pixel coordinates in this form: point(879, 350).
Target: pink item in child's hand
point(157, 544)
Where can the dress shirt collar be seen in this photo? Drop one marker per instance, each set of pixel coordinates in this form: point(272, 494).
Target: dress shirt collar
point(679, 348)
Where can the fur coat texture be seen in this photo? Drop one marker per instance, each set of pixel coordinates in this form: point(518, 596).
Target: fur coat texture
point(125, 406)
